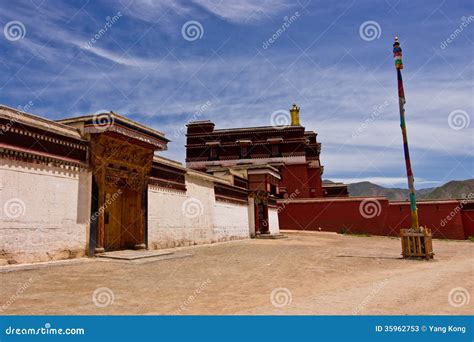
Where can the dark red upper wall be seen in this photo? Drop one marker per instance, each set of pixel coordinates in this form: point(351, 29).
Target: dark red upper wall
point(294, 141)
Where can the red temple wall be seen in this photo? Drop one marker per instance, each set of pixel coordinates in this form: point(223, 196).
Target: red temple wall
point(345, 215)
point(295, 177)
point(442, 217)
point(315, 182)
point(335, 215)
point(468, 222)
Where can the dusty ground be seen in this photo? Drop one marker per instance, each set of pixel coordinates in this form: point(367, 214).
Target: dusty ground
point(308, 273)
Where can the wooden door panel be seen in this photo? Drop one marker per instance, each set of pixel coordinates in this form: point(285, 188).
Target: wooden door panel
point(131, 219)
point(113, 218)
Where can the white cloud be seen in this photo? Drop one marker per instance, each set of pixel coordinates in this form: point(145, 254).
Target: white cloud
point(245, 88)
point(243, 11)
point(154, 11)
point(235, 11)
point(122, 59)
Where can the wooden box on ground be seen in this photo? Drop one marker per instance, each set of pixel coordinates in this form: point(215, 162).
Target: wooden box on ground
point(417, 243)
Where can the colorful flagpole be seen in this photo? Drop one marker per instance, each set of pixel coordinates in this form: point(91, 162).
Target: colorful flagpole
point(397, 54)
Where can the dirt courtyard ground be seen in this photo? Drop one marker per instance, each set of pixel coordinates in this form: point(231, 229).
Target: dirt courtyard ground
point(307, 273)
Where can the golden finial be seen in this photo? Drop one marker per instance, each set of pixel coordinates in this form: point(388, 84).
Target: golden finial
point(295, 115)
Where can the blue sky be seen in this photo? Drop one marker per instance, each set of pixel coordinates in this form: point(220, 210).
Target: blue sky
point(240, 61)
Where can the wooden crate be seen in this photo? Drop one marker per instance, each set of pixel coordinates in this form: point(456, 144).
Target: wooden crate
point(417, 243)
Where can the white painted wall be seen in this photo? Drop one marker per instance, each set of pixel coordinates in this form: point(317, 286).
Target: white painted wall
point(251, 216)
point(273, 221)
point(177, 218)
point(230, 221)
point(44, 212)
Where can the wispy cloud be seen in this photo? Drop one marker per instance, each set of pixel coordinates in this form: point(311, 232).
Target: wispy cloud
point(143, 68)
point(244, 11)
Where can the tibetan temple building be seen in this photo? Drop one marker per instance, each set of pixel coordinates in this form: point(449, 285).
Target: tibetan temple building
point(97, 183)
point(291, 150)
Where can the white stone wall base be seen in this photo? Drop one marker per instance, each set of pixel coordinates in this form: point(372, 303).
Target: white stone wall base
point(44, 212)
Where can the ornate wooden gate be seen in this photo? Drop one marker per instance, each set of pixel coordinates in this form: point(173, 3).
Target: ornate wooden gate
point(121, 170)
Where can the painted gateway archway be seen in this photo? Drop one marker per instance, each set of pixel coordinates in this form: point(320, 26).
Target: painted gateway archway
point(120, 157)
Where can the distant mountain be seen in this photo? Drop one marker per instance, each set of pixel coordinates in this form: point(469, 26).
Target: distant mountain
point(370, 189)
point(452, 189)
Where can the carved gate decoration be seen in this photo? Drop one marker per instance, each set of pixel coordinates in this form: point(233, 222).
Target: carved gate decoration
point(121, 170)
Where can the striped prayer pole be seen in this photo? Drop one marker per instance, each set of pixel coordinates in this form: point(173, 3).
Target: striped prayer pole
point(397, 54)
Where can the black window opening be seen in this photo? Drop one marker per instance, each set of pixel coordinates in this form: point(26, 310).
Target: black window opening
point(276, 150)
point(213, 153)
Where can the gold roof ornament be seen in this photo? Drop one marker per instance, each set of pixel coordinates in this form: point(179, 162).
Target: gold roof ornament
point(295, 115)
